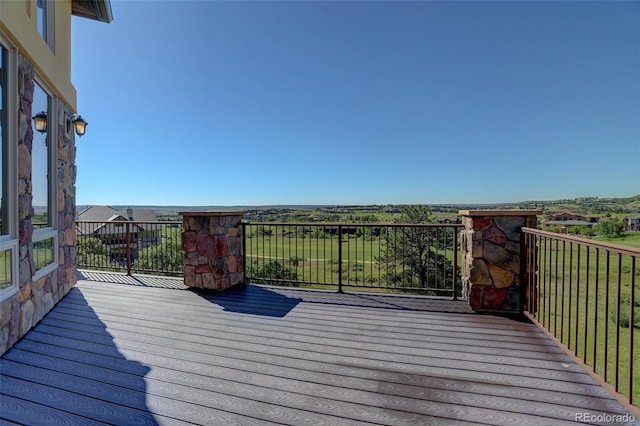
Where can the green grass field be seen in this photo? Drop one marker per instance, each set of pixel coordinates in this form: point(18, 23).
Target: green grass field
point(314, 255)
point(587, 300)
point(631, 239)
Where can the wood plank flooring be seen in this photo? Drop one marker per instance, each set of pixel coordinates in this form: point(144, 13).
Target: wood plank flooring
point(111, 353)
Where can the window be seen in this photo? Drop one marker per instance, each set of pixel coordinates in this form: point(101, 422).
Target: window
point(44, 18)
point(44, 234)
point(43, 252)
point(6, 270)
point(40, 160)
point(4, 224)
point(8, 244)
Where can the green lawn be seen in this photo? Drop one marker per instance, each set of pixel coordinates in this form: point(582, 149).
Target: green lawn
point(316, 259)
point(586, 301)
point(314, 255)
point(631, 239)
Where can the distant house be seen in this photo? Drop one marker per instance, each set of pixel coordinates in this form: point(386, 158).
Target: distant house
point(444, 220)
point(632, 223)
point(567, 218)
point(104, 213)
point(565, 215)
point(107, 224)
point(334, 230)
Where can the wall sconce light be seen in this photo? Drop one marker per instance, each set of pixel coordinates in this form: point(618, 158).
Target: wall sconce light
point(79, 124)
point(40, 121)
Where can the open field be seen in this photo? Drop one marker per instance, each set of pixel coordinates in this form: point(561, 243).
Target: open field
point(590, 299)
point(371, 256)
point(631, 239)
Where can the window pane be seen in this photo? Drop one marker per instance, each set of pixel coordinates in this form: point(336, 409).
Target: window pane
point(5, 269)
point(42, 18)
point(3, 141)
point(43, 253)
point(39, 160)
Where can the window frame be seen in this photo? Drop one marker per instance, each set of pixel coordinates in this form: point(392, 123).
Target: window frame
point(49, 140)
point(8, 167)
point(50, 231)
point(51, 143)
point(45, 234)
point(48, 14)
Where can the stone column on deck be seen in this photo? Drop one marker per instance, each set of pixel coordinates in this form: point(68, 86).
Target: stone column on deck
point(212, 249)
point(491, 263)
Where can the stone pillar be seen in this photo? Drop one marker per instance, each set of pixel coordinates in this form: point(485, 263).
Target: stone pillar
point(491, 262)
point(212, 249)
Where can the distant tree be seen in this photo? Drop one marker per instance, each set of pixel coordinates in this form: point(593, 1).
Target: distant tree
point(585, 231)
point(625, 313)
point(166, 256)
point(411, 255)
point(271, 270)
point(92, 245)
point(91, 251)
point(554, 228)
point(609, 228)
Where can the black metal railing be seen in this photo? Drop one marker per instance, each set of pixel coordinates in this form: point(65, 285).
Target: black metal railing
point(421, 259)
point(585, 294)
point(130, 246)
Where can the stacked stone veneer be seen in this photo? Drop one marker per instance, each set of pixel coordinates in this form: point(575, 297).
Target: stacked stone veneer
point(491, 264)
point(212, 249)
point(19, 313)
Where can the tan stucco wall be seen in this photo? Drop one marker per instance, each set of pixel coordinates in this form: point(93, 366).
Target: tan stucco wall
point(18, 22)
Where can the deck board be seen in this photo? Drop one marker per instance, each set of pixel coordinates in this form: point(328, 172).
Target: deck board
point(158, 354)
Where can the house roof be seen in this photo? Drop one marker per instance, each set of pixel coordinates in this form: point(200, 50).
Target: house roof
point(568, 222)
point(98, 213)
point(100, 216)
point(140, 215)
point(98, 10)
point(566, 212)
point(451, 219)
point(108, 213)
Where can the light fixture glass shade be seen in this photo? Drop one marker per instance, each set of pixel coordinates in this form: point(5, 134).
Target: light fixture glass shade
point(79, 124)
point(40, 121)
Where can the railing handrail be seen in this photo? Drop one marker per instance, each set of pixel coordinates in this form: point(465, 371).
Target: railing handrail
point(154, 222)
point(622, 249)
point(147, 243)
point(389, 224)
point(439, 262)
point(580, 292)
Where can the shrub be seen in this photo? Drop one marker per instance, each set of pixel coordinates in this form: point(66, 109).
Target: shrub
point(610, 228)
point(625, 311)
point(272, 270)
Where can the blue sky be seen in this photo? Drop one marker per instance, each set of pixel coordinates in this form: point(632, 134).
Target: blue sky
point(302, 102)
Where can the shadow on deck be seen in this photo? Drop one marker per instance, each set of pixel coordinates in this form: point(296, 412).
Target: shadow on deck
point(260, 355)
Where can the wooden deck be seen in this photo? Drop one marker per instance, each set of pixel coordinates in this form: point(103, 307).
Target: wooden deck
point(157, 354)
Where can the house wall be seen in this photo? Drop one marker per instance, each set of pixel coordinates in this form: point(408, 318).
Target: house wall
point(20, 311)
point(632, 224)
point(18, 22)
